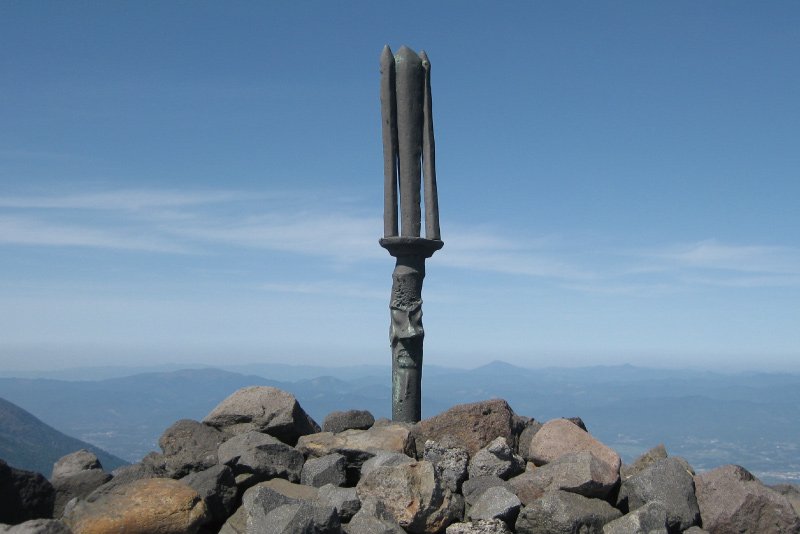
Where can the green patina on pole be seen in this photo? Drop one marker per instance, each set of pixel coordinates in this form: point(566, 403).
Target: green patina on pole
point(408, 152)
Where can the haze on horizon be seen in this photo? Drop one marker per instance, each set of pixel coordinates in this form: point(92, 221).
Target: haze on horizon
point(202, 183)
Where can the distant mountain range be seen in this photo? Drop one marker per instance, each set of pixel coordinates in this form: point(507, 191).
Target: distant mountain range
point(27, 443)
point(751, 419)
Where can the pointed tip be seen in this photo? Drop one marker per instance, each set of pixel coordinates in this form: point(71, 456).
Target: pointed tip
point(386, 51)
point(423, 55)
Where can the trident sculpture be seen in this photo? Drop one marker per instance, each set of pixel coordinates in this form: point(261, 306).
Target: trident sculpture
point(408, 147)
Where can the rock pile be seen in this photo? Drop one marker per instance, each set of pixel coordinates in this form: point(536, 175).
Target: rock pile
point(258, 464)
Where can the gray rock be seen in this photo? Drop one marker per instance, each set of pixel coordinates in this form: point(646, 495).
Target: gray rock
point(561, 512)
point(125, 475)
point(262, 498)
point(387, 458)
point(263, 409)
point(351, 419)
point(261, 455)
point(695, 530)
point(329, 469)
point(345, 500)
point(79, 484)
point(39, 526)
point(648, 519)
point(496, 459)
point(668, 482)
point(236, 523)
point(531, 428)
point(576, 472)
point(24, 495)
point(298, 518)
point(482, 526)
point(74, 463)
point(496, 503)
point(791, 492)
point(644, 461)
point(731, 499)
point(190, 446)
point(450, 460)
point(473, 488)
point(217, 486)
point(373, 518)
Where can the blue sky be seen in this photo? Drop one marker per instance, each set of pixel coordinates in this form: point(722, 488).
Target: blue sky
point(202, 182)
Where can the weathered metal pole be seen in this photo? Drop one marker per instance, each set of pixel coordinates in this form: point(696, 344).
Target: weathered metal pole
point(408, 151)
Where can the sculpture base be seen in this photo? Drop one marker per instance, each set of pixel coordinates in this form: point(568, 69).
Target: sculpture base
point(411, 246)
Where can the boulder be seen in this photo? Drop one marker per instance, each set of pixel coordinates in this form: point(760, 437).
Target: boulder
point(560, 436)
point(329, 469)
point(473, 488)
point(496, 459)
point(414, 495)
point(496, 503)
point(125, 475)
point(24, 495)
point(262, 456)
point(74, 463)
point(349, 420)
point(481, 526)
point(575, 472)
point(731, 499)
point(146, 506)
point(791, 492)
point(217, 486)
point(668, 482)
point(648, 519)
point(260, 500)
point(530, 429)
point(298, 518)
point(236, 524)
point(450, 460)
point(386, 458)
point(345, 500)
point(475, 425)
point(79, 484)
point(38, 526)
point(561, 512)
point(644, 461)
point(190, 446)
point(262, 409)
point(373, 518)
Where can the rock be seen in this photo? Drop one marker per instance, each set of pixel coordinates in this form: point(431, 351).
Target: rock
point(260, 500)
point(496, 459)
point(450, 460)
point(357, 446)
point(482, 526)
point(349, 420)
point(791, 492)
point(496, 503)
point(190, 446)
point(329, 469)
point(79, 484)
point(413, 494)
point(648, 519)
point(473, 488)
point(731, 499)
point(236, 524)
point(575, 472)
point(386, 458)
point(475, 425)
point(561, 512)
point(560, 436)
point(298, 518)
point(373, 518)
point(24, 495)
point(38, 526)
point(217, 486)
point(262, 409)
point(146, 506)
point(125, 475)
point(345, 500)
point(261, 455)
point(531, 428)
point(74, 463)
point(668, 482)
point(695, 530)
point(642, 462)
point(577, 421)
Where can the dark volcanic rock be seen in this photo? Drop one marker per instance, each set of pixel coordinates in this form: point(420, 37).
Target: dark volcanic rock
point(79, 484)
point(473, 488)
point(345, 500)
point(263, 409)
point(496, 459)
point(351, 419)
point(38, 526)
point(644, 461)
point(298, 518)
point(668, 482)
point(24, 495)
point(481, 526)
point(261, 455)
point(373, 518)
point(732, 500)
point(476, 425)
point(450, 460)
point(329, 469)
point(561, 512)
point(496, 503)
point(648, 519)
point(190, 446)
point(217, 486)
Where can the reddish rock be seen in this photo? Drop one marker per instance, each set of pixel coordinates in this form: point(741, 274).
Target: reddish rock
point(560, 436)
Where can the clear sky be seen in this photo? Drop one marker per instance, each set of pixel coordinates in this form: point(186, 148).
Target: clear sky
point(203, 182)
